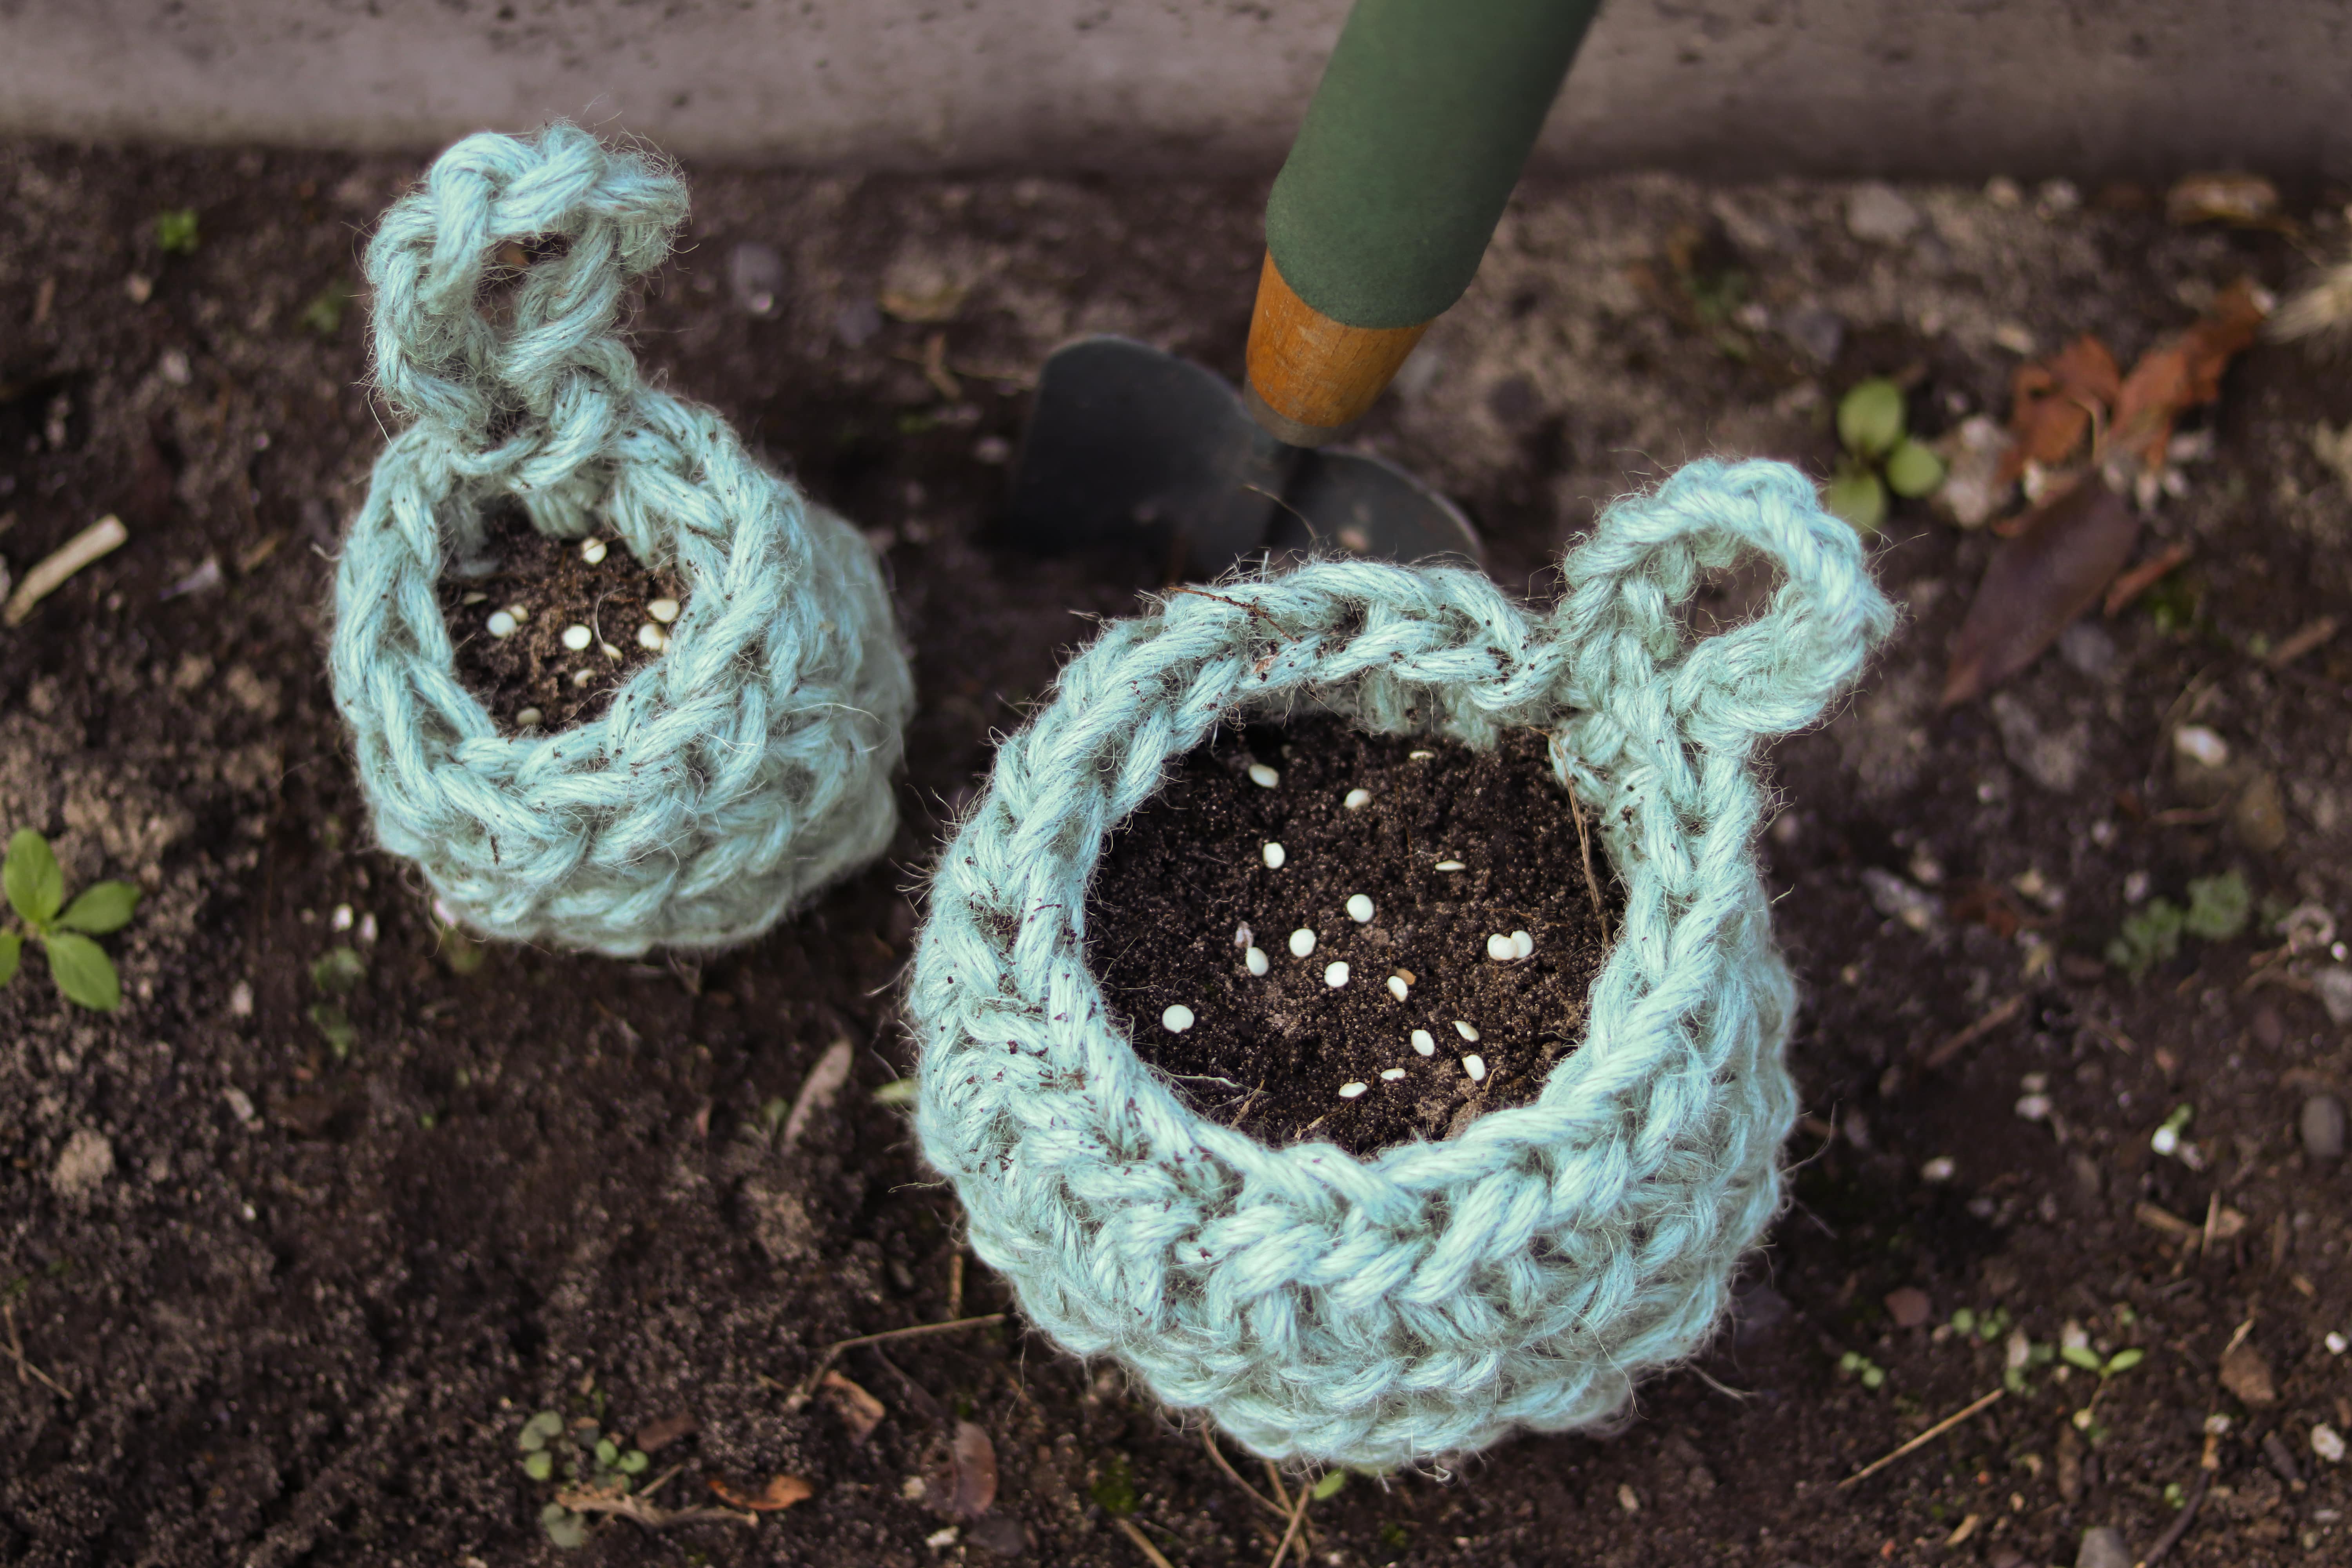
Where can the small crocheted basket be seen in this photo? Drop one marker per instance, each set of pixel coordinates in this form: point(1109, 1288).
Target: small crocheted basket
point(727, 779)
point(1430, 1299)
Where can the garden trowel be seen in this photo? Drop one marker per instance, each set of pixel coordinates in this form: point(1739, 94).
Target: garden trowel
point(1376, 225)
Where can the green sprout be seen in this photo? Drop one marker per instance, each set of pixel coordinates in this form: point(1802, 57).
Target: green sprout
point(1857, 1365)
point(175, 231)
point(334, 973)
point(1114, 1489)
point(36, 891)
point(589, 1460)
point(1879, 457)
point(1330, 1485)
point(324, 314)
point(2219, 908)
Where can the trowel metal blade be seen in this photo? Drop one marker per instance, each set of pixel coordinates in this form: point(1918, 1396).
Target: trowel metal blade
point(1353, 504)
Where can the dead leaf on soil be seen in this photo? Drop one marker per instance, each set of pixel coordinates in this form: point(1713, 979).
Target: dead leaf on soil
point(858, 1410)
point(964, 1485)
point(780, 1493)
point(2053, 402)
point(2176, 376)
point(2053, 570)
point(2246, 1373)
point(1908, 1307)
point(656, 1435)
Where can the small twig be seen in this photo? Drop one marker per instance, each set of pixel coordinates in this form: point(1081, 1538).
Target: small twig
point(2302, 642)
point(832, 1353)
point(1722, 1388)
point(1142, 1542)
point(50, 574)
point(1931, 1435)
point(1274, 1480)
point(2139, 579)
point(1993, 1020)
point(1216, 1456)
point(23, 1365)
point(1297, 1513)
point(639, 1510)
point(1591, 883)
point(2171, 1537)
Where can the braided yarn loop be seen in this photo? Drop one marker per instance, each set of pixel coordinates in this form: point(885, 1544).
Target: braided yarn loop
point(1430, 1298)
point(727, 779)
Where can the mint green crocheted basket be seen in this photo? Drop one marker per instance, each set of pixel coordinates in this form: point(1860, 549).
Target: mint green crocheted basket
point(1435, 1296)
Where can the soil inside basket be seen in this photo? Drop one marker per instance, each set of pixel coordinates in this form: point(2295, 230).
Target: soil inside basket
point(548, 587)
point(1270, 1055)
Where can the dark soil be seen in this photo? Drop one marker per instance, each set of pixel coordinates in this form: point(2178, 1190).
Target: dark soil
point(546, 586)
point(1269, 1055)
point(298, 1307)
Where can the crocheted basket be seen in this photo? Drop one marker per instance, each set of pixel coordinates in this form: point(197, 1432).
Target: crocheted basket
point(728, 778)
point(1428, 1300)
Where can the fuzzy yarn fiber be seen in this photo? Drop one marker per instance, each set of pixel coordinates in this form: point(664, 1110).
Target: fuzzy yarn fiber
point(727, 779)
point(1429, 1299)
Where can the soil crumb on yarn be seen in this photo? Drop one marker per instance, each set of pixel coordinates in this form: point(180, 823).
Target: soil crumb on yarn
point(541, 587)
point(1271, 1054)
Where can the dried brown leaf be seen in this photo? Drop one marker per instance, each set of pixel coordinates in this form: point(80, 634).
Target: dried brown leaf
point(656, 1435)
point(2053, 402)
point(859, 1411)
point(780, 1492)
point(2054, 569)
point(966, 1485)
point(1909, 1306)
point(2246, 1373)
point(2176, 376)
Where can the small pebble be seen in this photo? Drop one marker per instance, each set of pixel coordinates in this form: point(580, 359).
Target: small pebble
point(1941, 1169)
point(577, 637)
point(1398, 988)
point(1302, 942)
point(2337, 1343)
point(1467, 1031)
point(530, 718)
point(582, 677)
point(1263, 776)
point(592, 551)
point(341, 917)
point(1452, 866)
point(663, 610)
point(240, 1000)
point(1349, 1091)
point(1256, 961)
point(1177, 1019)
point(1389, 1074)
point(1275, 855)
point(2327, 1444)
point(1335, 974)
point(2201, 745)
point(1423, 1044)
point(1523, 946)
point(1242, 935)
point(1359, 908)
point(367, 927)
point(1499, 949)
point(2036, 1107)
point(2322, 1127)
point(1357, 799)
point(1475, 1065)
point(650, 639)
point(501, 625)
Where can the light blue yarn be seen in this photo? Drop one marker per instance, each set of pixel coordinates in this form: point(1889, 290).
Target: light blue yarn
point(729, 778)
point(1429, 1299)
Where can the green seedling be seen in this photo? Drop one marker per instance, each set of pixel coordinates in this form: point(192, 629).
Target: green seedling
point(1856, 1365)
point(1330, 1485)
point(586, 1458)
point(898, 1092)
point(175, 231)
point(324, 314)
point(335, 974)
point(2166, 1139)
point(2219, 909)
point(1987, 1325)
point(1114, 1489)
point(1879, 457)
point(36, 891)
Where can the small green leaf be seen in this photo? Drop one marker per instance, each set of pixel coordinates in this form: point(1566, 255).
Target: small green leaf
point(1913, 471)
point(336, 1024)
point(565, 1529)
point(2123, 1360)
point(34, 886)
point(1857, 496)
point(547, 1423)
point(12, 953)
point(1964, 1320)
point(539, 1464)
point(1330, 1485)
point(898, 1091)
point(607, 1451)
point(338, 970)
point(1873, 1376)
point(101, 907)
point(175, 231)
point(324, 313)
point(1870, 417)
point(2218, 907)
point(2083, 1356)
point(83, 972)
point(633, 1462)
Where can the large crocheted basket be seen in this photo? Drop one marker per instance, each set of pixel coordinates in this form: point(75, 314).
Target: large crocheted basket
point(727, 779)
point(1430, 1299)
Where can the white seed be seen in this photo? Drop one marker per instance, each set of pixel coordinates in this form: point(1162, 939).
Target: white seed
point(1420, 756)
point(1389, 1074)
point(1423, 1044)
point(367, 927)
point(1522, 946)
point(1335, 975)
point(1263, 776)
point(1357, 799)
point(650, 639)
point(470, 600)
point(530, 718)
point(1398, 988)
point(1359, 908)
point(1256, 961)
point(582, 677)
point(1467, 1031)
point(1275, 855)
point(608, 650)
point(1452, 866)
point(501, 625)
point(341, 919)
point(1302, 942)
point(663, 610)
point(1177, 1019)
point(1475, 1065)
point(1942, 1168)
point(1242, 935)
point(1349, 1091)
point(1500, 948)
point(521, 613)
point(577, 637)
point(592, 551)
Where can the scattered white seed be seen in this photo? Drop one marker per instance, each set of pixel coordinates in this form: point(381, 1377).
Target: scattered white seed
point(2337, 1344)
point(341, 919)
point(1256, 961)
point(1941, 1169)
point(1500, 948)
point(592, 551)
point(1359, 908)
point(240, 1000)
point(1398, 988)
point(1467, 1031)
point(470, 600)
point(1177, 1019)
point(663, 610)
point(530, 718)
point(1389, 1074)
point(1419, 756)
point(1349, 1091)
point(577, 637)
point(2328, 1444)
point(1242, 935)
point(1522, 946)
point(1357, 799)
point(501, 625)
point(1275, 855)
point(1302, 942)
point(1335, 975)
point(367, 927)
point(1475, 1065)
point(2201, 745)
point(2036, 1107)
point(650, 639)
point(582, 677)
point(1452, 866)
point(521, 613)
point(2165, 1140)
point(1263, 776)
point(608, 650)
point(1423, 1044)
